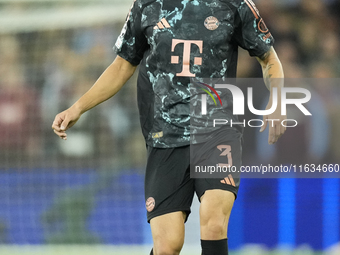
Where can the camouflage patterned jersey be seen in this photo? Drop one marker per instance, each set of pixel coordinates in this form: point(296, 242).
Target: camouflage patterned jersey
point(175, 40)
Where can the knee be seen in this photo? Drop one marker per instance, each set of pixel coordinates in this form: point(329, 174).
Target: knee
point(167, 247)
point(214, 227)
point(168, 233)
point(214, 223)
point(214, 214)
point(166, 250)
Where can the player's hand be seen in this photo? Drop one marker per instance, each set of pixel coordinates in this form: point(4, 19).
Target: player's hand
point(274, 120)
point(64, 121)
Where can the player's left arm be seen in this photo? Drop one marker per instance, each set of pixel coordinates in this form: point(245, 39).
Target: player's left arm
point(273, 78)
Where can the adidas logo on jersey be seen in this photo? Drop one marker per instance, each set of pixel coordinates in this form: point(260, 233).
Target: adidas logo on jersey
point(162, 24)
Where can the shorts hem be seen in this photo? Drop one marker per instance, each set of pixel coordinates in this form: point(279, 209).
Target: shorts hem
point(152, 215)
point(227, 188)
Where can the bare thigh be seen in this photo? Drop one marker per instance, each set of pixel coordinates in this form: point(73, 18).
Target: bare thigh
point(215, 211)
point(168, 233)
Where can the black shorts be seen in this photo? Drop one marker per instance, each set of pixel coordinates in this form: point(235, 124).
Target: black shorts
point(168, 186)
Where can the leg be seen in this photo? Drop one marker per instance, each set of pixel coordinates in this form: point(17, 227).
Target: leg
point(215, 211)
point(168, 193)
point(217, 195)
point(168, 233)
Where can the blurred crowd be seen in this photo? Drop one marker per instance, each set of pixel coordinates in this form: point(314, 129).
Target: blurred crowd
point(43, 73)
point(307, 41)
point(306, 35)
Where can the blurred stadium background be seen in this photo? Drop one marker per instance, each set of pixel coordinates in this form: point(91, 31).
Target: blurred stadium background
point(85, 196)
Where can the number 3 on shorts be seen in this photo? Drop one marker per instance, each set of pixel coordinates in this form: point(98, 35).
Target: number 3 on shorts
point(226, 151)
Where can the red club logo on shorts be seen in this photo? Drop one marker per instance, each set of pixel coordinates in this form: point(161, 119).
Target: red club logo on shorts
point(211, 23)
point(150, 204)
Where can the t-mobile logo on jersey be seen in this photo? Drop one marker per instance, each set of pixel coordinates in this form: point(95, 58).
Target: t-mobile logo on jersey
point(186, 55)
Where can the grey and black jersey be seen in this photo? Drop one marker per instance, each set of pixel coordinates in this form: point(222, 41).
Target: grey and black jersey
point(175, 40)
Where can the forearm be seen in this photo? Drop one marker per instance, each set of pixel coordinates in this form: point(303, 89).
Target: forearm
point(273, 78)
point(108, 84)
point(272, 70)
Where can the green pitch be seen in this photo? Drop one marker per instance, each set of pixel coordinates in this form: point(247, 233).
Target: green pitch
point(127, 250)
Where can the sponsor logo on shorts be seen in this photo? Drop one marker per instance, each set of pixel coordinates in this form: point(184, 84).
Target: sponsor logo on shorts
point(211, 23)
point(150, 204)
point(229, 180)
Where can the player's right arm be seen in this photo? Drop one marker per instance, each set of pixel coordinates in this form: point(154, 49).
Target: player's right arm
point(108, 84)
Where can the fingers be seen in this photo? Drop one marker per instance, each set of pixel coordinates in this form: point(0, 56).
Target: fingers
point(64, 124)
point(59, 126)
point(64, 121)
point(275, 132)
point(61, 134)
point(56, 123)
point(272, 134)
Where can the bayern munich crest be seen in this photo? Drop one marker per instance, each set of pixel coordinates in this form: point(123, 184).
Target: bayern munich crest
point(211, 23)
point(150, 204)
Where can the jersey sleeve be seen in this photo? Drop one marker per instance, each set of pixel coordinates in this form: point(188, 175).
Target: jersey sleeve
point(251, 33)
point(132, 43)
